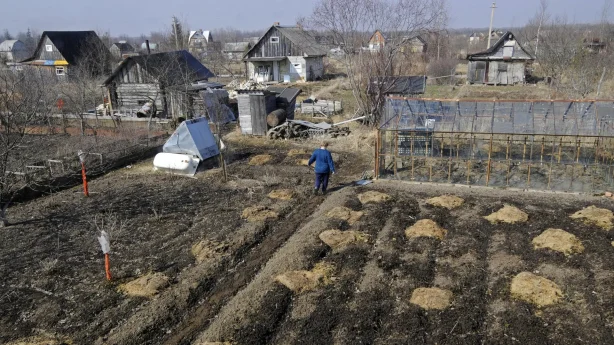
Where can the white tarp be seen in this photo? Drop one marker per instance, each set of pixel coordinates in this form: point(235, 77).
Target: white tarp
point(193, 137)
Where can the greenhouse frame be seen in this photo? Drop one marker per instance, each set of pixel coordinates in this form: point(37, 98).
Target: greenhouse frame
point(549, 145)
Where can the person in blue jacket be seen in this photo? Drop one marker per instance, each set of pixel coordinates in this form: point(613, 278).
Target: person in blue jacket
point(324, 167)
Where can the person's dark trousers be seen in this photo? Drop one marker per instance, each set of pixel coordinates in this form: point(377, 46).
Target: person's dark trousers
point(322, 180)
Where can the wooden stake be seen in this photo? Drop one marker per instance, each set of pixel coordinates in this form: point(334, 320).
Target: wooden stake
point(84, 176)
point(107, 266)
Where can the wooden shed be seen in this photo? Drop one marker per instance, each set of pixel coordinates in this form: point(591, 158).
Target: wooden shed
point(165, 79)
point(256, 105)
point(504, 63)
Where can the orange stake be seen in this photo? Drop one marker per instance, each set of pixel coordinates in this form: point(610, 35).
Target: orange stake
point(107, 266)
point(83, 174)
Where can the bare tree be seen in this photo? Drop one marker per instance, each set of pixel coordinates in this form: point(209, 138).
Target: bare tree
point(351, 23)
point(25, 101)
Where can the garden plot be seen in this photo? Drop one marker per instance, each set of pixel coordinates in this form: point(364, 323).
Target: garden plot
point(261, 260)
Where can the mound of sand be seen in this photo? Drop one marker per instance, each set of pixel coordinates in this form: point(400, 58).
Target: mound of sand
point(301, 281)
point(508, 214)
point(297, 152)
point(432, 298)
point(146, 286)
point(595, 216)
point(534, 289)
point(281, 194)
point(260, 160)
point(373, 196)
point(558, 240)
point(338, 239)
point(206, 249)
point(258, 214)
point(446, 201)
point(344, 213)
point(426, 228)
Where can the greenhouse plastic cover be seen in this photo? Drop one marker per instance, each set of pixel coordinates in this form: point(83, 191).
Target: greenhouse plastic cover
point(595, 118)
point(193, 137)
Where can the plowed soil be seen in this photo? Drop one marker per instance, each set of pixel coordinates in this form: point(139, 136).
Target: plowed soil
point(222, 272)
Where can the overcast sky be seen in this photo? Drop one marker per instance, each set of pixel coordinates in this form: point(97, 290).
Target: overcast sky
point(134, 17)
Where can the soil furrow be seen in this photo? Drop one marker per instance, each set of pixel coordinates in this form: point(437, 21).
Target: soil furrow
point(299, 252)
point(229, 284)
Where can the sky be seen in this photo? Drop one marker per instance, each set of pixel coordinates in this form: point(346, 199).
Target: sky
point(135, 17)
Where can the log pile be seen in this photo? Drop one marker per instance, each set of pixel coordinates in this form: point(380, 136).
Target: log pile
point(292, 130)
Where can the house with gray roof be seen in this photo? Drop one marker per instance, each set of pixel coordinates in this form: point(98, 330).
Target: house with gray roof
point(285, 53)
point(12, 51)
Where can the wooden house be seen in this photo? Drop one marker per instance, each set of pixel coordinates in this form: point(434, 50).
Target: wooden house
point(122, 49)
point(504, 63)
point(405, 43)
point(60, 51)
point(12, 51)
point(170, 81)
point(285, 53)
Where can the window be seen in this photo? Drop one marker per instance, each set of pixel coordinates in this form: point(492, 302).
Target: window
point(49, 47)
point(60, 71)
point(274, 39)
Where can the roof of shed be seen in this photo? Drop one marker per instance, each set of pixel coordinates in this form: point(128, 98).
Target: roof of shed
point(73, 45)
point(501, 41)
point(171, 68)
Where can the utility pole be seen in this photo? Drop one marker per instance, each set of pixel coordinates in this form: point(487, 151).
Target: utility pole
point(175, 31)
point(492, 16)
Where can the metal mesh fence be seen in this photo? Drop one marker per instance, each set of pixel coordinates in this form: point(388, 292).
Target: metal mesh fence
point(544, 145)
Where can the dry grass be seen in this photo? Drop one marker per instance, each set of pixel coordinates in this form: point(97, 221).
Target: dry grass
point(260, 160)
point(534, 289)
point(282, 194)
point(446, 201)
point(301, 281)
point(595, 216)
point(508, 214)
point(146, 286)
point(206, 249)
point(338, 239)
point(258, 214)
point(558, 240)
point(373, 197)
point(432, 298)
point(345, 213)
point(426, 228)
